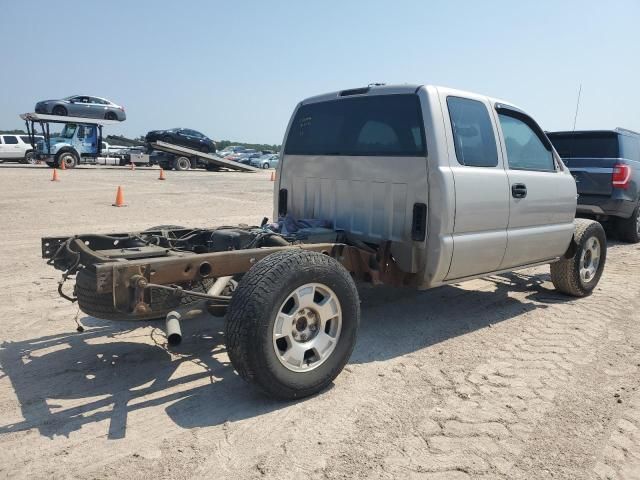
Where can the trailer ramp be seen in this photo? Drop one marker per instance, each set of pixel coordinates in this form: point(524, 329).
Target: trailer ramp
point(209, 158)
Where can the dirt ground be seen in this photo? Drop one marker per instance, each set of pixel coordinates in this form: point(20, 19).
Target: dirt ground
point(498, 378)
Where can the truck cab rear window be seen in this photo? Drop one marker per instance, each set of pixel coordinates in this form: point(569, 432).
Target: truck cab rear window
point(377, 125)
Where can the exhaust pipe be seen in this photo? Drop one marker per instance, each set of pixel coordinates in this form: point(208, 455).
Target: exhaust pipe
point(174, 333)
point(173, 330)
point(218, 286)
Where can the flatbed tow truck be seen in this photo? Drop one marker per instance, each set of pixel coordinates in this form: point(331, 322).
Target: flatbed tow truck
point(183, 158)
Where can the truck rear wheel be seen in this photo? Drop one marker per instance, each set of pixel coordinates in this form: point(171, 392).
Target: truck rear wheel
point(181, 164)
point(100, 305)
point(629, 228)
point(578, 276)
point(292, 323)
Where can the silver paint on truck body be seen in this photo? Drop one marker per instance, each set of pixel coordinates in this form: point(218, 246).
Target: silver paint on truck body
point(475, 226)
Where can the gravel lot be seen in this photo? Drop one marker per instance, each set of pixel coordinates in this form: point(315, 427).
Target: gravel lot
point(497, 378)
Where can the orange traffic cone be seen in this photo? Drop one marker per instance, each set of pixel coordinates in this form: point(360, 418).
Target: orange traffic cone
point(132, 166)
point(54, 177)
point(119, 198)
point(62, 165)
point(162, 177)
point(273, 176)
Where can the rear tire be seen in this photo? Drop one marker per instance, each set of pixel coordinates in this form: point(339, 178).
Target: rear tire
point(59, 110)
point(284, 287)
point(30, 158)
point(100, 305)
point(181, 164)
point(579, 275)
point(110, 116)
point(629, 228)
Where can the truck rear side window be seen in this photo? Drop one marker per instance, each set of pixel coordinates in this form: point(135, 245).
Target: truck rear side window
point(473, 134)
point(376, 125)
point(586, 145)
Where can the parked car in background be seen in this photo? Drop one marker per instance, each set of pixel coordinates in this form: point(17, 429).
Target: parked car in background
point(606, 167)
point(108, 150)
point(17, 148)
point(82, 106)
point(184, 137)
point(236, 157)
point(230, 150)
point(246, 158)
point(265, 161)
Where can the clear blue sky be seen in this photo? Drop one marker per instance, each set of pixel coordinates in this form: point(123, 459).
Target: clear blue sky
point(236, 69)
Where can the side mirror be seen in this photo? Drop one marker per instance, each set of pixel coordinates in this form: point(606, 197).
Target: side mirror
point(72, 101)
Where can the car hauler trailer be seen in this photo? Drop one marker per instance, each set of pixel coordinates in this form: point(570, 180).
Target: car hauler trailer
point(80, 140)
point(183, 158)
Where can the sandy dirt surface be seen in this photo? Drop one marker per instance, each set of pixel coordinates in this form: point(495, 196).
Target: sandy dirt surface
point(498, 378)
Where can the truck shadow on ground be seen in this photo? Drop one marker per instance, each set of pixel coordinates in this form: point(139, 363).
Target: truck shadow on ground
point(66, 381)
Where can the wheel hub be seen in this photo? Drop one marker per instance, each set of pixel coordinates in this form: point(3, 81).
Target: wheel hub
point(307, 327)
point(590, 260)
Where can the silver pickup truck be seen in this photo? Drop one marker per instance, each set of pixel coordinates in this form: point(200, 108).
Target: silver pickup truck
point(414, 186)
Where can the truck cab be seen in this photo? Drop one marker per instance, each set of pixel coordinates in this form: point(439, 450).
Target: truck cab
point(457, 184)
point(74, 142)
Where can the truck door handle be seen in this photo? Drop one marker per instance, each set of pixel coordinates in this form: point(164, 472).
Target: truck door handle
point(519, 190)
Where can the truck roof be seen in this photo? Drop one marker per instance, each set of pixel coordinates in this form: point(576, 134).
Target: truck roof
point(617, 130)
point(405, 88)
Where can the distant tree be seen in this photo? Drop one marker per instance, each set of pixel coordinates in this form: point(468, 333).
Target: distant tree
point(16, 132)
point(222, 144)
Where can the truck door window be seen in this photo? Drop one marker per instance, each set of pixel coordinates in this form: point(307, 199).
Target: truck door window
point(68, 130)
point(10, 140)
point(473, 136)
point(81, 132)
point(525, 148)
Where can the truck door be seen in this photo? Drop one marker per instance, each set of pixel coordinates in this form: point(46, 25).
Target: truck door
point(87, 140)
point(481, 187)
point(542, 192)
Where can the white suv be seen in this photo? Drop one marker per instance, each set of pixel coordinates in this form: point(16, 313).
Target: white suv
point(17, 148)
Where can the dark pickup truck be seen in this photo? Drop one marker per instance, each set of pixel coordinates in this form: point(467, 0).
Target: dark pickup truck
point(606, 166)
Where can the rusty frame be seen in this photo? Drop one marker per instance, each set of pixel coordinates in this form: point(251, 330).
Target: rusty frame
point(128, 281)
